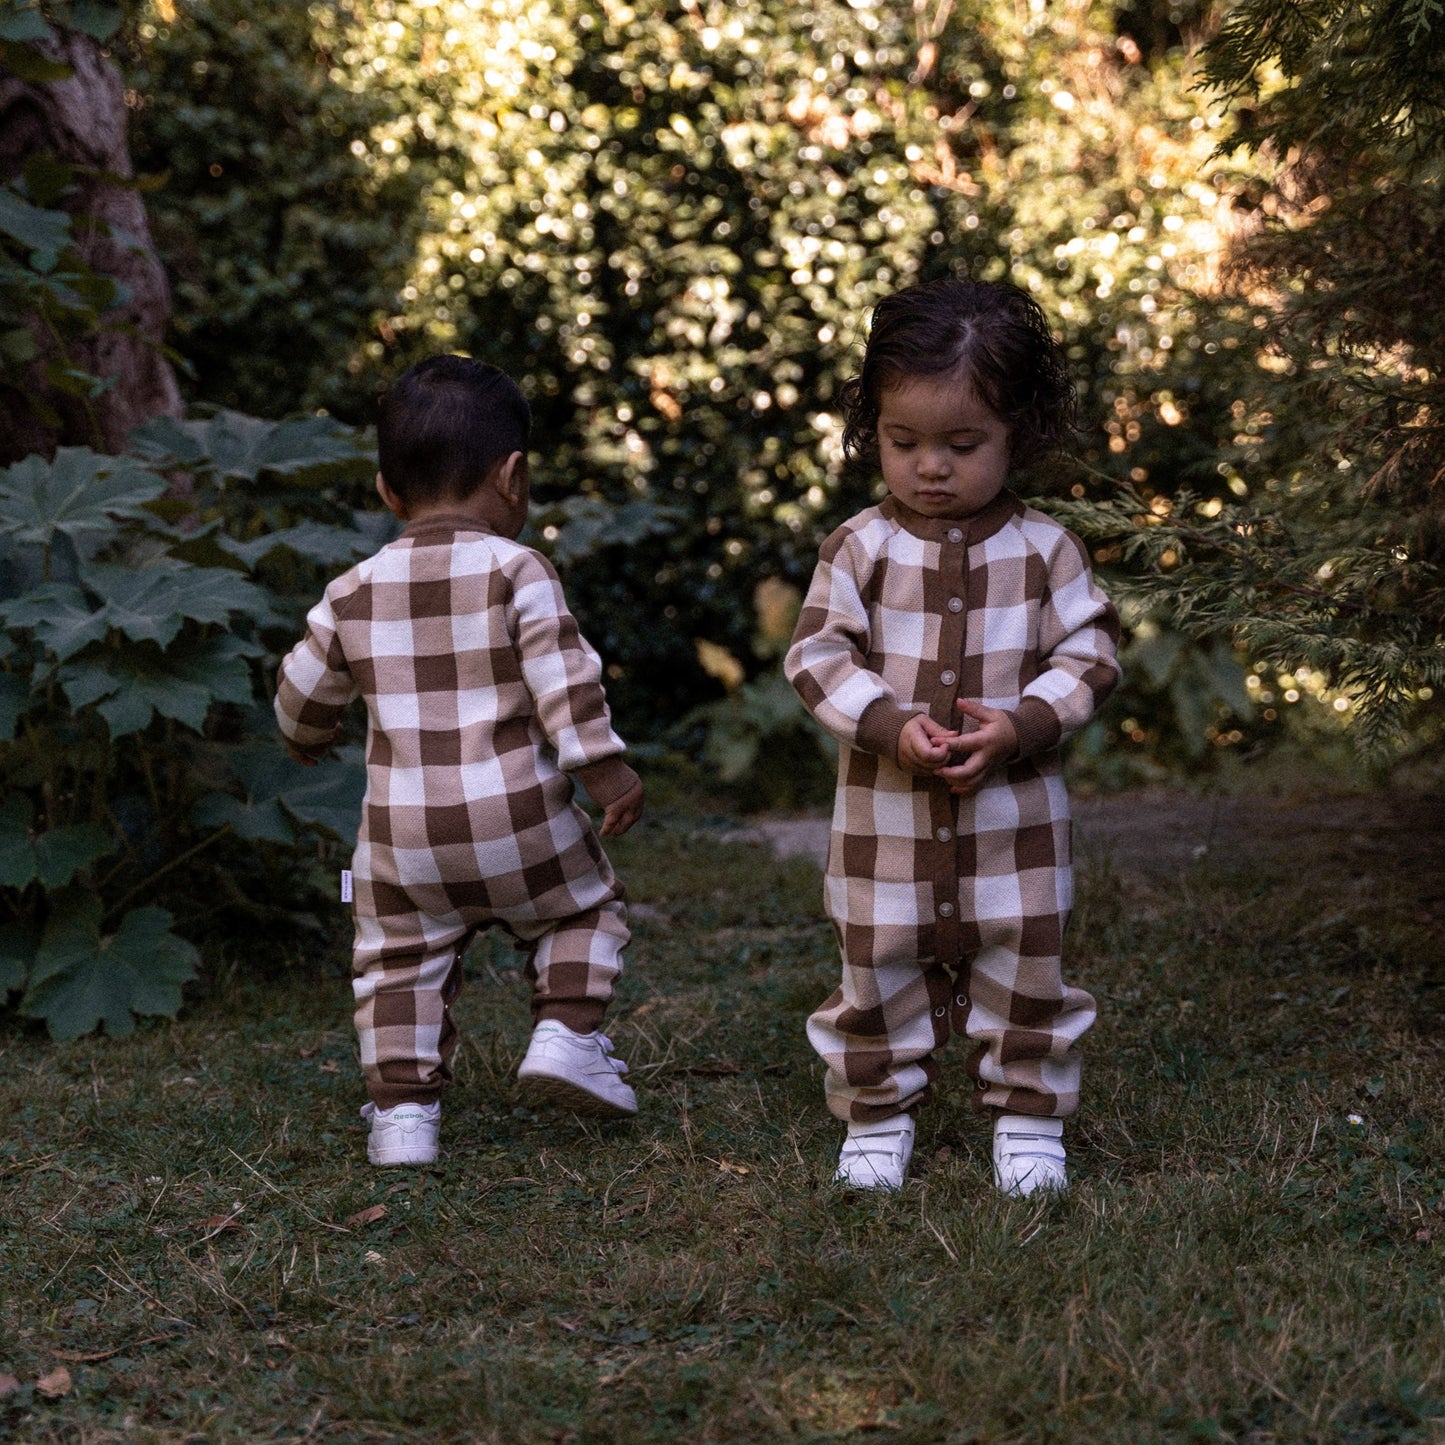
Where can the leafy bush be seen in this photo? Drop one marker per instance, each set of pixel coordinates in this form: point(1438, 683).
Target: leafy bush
point(1328, 561)
point(137, 740)
point(672, 222)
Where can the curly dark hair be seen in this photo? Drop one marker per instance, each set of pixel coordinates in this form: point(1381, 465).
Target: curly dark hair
point(996, 334)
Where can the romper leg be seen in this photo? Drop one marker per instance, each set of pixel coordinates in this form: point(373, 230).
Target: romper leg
point(1025, 1017)
point(878, 1031)
point(575, 964)
point(406, 973)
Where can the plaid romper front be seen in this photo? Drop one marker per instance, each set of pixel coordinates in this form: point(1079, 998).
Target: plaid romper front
point(950, 910)
point(481, 696)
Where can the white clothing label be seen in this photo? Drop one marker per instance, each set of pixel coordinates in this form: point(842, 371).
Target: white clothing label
point(346, 885)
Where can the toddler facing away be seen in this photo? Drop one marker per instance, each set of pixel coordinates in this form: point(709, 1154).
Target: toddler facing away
point(950, 639)
point(481, 696)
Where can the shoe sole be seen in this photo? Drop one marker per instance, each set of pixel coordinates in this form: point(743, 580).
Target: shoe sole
point(875, 1185)
point(564, 1094)
point(1018, 1190)
point(389, 1158)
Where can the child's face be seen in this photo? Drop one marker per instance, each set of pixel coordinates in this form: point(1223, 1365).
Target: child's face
point(945, 452)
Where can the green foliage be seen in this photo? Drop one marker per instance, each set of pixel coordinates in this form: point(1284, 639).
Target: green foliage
point(81, 978)
point(671, 222)
point(137, 629)
point(1326, 558)
point(760, 734)
point(281, 243)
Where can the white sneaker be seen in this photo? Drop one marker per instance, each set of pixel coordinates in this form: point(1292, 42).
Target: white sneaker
point(403, 1134)
point(1028, 1154)
point(575, 1071)
point(876, 1155)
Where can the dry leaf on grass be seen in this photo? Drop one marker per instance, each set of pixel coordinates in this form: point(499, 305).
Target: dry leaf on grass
point(728, 1167)
point(217, 1222)
point(214, 1224)
point(367, 1216)
point(55, 1384)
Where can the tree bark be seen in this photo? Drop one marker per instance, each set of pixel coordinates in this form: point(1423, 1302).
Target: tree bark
point(82, 120)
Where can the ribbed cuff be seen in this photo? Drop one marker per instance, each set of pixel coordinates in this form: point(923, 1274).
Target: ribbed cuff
point(880, 727)
point(1037, 726)
point(607, 780)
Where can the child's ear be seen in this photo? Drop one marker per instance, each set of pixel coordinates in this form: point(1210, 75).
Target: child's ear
point(394, 503)
point(513, 478)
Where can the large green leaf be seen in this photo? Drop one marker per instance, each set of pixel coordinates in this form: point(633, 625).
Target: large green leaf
point(80, 980)
point(149, 604)
point(80, 491)
point(60, 853)
point(131, 684)
point(93, 17)
point(263, 821)
point(54, 856)
point(18, 942)
point(146, 604)
point(241, 447)
point(47, 231)
point(23, 23)
point(59, 615)
point(258, 815)
point(328, 546)
point(329, 795)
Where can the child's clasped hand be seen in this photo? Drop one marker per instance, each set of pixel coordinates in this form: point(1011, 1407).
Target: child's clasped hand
point(927, 748)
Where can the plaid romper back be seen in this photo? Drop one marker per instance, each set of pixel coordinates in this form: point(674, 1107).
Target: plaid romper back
point(481, 696)
point(950, 910)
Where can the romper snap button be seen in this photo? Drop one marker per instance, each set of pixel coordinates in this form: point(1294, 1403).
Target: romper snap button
point(955, 604)
point(938, 1013)
point(944, 834)
point(954, 535)
point(962, 1000)
point(948, 678)
point(945, 910)
point(980, 1084)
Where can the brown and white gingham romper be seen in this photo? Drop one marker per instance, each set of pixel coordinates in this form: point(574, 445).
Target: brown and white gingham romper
point(950, 910)
point(481, 696)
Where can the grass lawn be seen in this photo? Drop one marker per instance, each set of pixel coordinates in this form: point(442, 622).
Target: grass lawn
point(193, 1248)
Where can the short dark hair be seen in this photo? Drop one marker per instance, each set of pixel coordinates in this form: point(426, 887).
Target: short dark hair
point(444, 423)
point(995, 333)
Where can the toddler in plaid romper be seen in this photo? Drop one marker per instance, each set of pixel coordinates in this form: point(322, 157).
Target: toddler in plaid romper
point(948, 878)
point(481, 696)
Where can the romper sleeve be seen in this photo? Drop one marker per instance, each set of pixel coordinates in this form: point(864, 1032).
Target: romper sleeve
point(564, 676)
point(1078, 639)
point(827, 662)
point(315, 684)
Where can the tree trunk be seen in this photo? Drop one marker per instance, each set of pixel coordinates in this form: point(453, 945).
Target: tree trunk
point(82, 120)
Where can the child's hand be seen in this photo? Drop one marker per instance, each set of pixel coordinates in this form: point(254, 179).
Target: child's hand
point(924, 746)
point(621, 813)
point(309, 757)
point(993, 742)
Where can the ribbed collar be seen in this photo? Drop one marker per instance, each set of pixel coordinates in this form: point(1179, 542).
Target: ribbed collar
point(443, 522)
point(983, 523)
